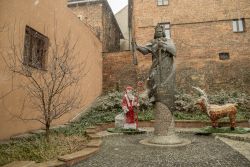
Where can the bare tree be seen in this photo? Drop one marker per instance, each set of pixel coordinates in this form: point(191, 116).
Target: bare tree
point(51, 89)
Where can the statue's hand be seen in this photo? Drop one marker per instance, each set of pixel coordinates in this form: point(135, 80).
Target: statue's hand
point(161, 44)
point(125, 110)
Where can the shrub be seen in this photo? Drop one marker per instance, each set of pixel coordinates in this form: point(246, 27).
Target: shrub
point(186, 108)
point(185, 103)
point(223, 97)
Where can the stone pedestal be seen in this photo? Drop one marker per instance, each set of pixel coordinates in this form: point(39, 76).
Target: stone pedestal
point(119, 121)
point(164, 134)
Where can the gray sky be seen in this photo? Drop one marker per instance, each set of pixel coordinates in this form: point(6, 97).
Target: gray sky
point(117, 5)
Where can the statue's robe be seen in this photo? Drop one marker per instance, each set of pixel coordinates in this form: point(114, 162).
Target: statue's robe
point(131, 117)
point(161, 81)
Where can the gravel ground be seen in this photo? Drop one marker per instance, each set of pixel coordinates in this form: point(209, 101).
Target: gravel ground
point(125, 151)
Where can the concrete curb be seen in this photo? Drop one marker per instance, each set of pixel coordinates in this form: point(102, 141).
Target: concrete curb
point(71, 159)
point(236, 137)
point(53, 163)
point(20, 164)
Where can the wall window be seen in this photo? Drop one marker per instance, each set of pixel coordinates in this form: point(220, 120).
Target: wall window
point(162, 2)
point(166, 29)
point(224, 56)
point(238, 25)
point(35, 48)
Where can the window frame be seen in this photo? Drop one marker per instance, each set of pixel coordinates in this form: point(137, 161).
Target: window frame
point(163, 2)
point(35, 49)
point(236, 23)
point(224, 56)
point(166, 29)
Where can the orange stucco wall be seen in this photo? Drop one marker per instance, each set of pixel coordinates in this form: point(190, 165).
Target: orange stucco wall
point(42, 15)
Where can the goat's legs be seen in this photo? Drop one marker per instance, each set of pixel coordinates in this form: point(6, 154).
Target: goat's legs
point(232, 117)
point(214, 123)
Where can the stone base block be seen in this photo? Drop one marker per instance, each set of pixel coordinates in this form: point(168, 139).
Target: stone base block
point(165, 141)
point(129, 126)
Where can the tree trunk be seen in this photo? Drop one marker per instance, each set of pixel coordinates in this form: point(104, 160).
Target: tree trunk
point(47, 132)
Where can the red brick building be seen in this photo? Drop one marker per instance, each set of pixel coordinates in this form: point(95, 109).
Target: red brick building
point(98, 15)
point(212, 39)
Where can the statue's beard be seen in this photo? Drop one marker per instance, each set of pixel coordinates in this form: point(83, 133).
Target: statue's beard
point(130, 96)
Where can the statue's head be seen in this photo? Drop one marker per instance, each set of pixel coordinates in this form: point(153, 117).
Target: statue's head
point(129, 92)
point(159, 31)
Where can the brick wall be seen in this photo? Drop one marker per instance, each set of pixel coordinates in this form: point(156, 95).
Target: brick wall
point(198, 60)
point(111, 30)
point(147, 14)
point(118, 71)
point(201, 30)
point(99, 16)
point(91, 14)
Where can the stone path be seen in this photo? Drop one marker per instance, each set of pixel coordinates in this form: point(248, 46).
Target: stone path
point(125, 150)
point(241, 147)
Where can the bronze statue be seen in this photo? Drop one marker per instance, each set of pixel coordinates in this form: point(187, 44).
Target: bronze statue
point(161, 89)
point(162, 73)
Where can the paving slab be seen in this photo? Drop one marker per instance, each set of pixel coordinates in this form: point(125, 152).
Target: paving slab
point(95, 143)
point(105, 133)
point(94, 136)
point(90, 131)
point(91, 127)
point(239, 137)
point(75, 157)
point(20, 164)
point(59, 126)
point(241, 147)
point(54, 163)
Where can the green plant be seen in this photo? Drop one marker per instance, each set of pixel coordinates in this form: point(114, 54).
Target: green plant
point(37, 149)
point(190, 116)
point(146, 115)
point(186, 108)
point(185, 102)
point(222, 97)
point(238, 130)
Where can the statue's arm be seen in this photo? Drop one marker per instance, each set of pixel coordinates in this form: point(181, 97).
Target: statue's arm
point(169, 46)
point(142, 49)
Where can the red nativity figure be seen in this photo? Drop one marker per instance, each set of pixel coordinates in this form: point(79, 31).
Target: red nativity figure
point(129, 103)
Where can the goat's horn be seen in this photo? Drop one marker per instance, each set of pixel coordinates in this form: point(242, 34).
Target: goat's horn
point(200, 90)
